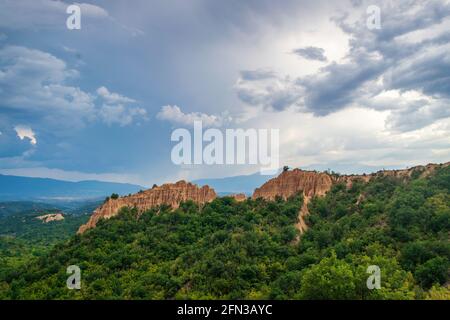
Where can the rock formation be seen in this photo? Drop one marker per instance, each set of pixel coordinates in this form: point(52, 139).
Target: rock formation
point(288, 183)
point(239, 197)
point(46, 218)
point(312, 183)
point(169, 194)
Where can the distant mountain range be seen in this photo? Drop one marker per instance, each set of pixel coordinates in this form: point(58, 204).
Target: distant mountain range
point(14, 188)
point(17, 188)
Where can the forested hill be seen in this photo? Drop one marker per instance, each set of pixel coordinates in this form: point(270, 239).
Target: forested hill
point(249, 249)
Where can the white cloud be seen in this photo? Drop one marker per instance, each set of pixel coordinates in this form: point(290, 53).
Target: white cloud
point(409, 110)
point(121, 115)
point(111, 97)
point(33, 82)
point(174, 115)
point(43, 13)
point(25, 132)
point(115, 111)
point(354, 135)
point(93, 11)
point(351, 140)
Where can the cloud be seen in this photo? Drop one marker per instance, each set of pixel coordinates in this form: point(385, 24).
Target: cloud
point(311, 53)
point(355, 136)
point(114, 110)
point(411, 52)
point(92, 11)
point(338, 85)
point(265, 88)
point(26, 132)
point(45, 120)
point(427, 71)
point(174, 115)
point(44, 14)
point(260, 74)
point(33, 84)
point(111, 97)
point(121, 115)
point(337, 111)
point(418, 115)
point(385, 59)
point(10, 144)
point(52, 15)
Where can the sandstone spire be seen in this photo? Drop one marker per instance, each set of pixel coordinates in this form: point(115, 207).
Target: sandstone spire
point(170, 194)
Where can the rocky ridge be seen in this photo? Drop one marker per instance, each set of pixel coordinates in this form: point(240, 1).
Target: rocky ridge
point(46, 218)
point(312, 183)
point(171, 194)
point(288, 183)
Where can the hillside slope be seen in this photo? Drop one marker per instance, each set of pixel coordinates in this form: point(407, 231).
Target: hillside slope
point(246, 250)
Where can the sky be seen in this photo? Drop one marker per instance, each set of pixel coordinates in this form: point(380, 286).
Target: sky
point(101, 102)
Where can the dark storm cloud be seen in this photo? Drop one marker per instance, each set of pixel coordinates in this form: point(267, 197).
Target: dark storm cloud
point(265, 88)
point(311, 53)
point(339, 84)
point(421, 64)
point(256, 74)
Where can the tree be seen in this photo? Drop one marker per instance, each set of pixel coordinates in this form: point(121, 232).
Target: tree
point(438, 293)
point(434, 271)
point(330, 279)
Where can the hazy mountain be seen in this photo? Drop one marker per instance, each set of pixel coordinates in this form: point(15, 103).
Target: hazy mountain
point(237, 184)
point(16, 207)
point(50, 190)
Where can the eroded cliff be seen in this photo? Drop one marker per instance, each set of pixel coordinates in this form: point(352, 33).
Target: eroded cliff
point(312, 183)
point(288, 183)
point(169, 194)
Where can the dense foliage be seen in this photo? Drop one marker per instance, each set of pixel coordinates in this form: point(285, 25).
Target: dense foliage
point(23, 237)
point(27, 227)
point(251, 250)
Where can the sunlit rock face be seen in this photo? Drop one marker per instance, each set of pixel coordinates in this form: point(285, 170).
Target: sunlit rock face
point(312, 183)
point(290, 183)
point(169, 194)
point(51, 217)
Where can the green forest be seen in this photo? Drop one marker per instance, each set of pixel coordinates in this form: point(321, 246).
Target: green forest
point(251, 249)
